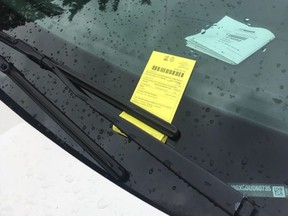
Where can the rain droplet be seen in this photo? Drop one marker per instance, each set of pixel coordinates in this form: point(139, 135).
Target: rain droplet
point(29, 173)
point(264, 49)
point(41, 177)
point(211, 163)
point(246, 19)
point(103, 203)
point(69, 178)
point(168, 163)
point(277, 101)
point(151, 171)
point(244, 161)
point(207, 109)
point(45, 184)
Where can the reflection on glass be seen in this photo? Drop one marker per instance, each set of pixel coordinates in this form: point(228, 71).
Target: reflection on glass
point(45, 6)
point(115, 4)
point(146, 2)
point(17, 12)
point(75, 6)
point(9, 18)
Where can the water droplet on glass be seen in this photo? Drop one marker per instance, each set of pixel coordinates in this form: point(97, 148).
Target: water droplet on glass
point(187, 113)
point(168, 163)
point(264, 49)
point(246, 19)
point(151, 171)
point(244, 161)
point(277, 101)
point(211, 163)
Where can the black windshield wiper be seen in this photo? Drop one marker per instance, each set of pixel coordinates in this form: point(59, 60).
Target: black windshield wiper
point(221, 194)
point(154, 121)
point(107, 163)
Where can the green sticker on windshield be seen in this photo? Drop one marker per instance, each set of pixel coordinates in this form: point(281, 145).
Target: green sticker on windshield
point(261, 190)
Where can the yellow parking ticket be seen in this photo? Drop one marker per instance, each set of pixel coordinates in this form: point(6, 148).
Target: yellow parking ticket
point(160, 89)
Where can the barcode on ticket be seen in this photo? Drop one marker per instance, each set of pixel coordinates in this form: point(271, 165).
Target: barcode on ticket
point(167, 71)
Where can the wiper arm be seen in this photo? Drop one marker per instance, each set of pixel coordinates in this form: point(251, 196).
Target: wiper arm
point(221, 194)
point(154, 121)
point(108, 164)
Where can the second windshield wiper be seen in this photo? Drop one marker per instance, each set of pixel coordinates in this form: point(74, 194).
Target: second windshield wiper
point(106, 162)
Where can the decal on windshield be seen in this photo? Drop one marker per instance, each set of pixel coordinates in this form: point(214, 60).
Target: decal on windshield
point(261, 190)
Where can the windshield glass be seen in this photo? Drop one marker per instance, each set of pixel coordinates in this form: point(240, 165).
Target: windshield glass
point(233, 116)
point(125, 33)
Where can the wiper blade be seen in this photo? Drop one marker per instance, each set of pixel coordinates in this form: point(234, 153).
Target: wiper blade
point(154, 121)
point(219, 193)
point(108, 164)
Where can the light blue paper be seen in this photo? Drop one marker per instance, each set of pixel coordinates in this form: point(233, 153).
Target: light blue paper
point(230, 41)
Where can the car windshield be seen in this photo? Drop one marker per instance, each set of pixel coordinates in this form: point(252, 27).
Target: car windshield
point(233, 116)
